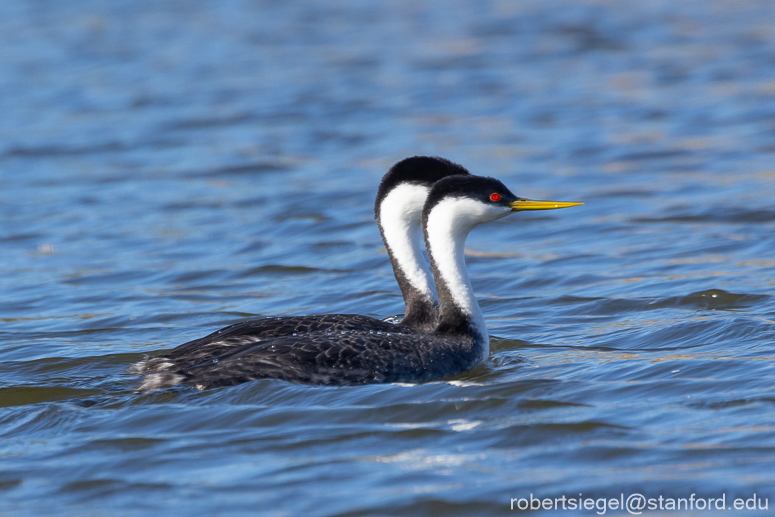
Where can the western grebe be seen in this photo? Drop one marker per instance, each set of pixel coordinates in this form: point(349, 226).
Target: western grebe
point(455, 205)
point(398, 212)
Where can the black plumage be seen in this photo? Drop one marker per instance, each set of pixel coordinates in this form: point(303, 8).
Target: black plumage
point(347, 357)
point(251, 332)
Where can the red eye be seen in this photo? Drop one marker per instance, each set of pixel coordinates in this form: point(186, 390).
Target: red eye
point(495, 196)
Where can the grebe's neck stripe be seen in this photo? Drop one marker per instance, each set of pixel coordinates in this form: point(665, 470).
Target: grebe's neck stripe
point(399, 216)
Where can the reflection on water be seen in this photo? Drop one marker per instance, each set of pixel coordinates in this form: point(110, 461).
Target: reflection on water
point(166, 169)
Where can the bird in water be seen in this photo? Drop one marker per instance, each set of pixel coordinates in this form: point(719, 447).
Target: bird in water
point(454, 206)
point(398, 212)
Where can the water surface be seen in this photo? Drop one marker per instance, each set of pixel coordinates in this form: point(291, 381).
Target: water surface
point(167, 168)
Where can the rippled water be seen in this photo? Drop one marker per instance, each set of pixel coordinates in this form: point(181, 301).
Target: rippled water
point(167, 168)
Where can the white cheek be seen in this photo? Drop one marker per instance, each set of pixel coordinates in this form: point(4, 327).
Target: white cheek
point(400, 215)
point(461, 215)
point(492, 212)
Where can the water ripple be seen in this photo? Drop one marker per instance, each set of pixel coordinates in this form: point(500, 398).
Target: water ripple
point(166, 172)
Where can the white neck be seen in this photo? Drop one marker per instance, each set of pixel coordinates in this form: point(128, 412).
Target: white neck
point(447, 227)
point(400, 215)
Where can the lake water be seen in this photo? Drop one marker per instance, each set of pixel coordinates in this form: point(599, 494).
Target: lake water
point(167, 168)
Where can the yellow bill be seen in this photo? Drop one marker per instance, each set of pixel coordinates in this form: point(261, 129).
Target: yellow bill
point(531, 204)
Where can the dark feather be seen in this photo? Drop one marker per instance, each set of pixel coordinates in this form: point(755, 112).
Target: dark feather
point(339, 358)
point(257, 330)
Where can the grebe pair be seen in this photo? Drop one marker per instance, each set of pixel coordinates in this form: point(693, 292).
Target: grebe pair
point(419, 197)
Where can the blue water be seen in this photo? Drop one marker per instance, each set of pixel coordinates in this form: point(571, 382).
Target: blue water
point(167, 168)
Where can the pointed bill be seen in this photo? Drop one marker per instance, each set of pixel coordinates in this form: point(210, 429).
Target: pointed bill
point(531, 204)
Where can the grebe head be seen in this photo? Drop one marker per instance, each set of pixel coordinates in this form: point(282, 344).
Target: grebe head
point(413, 177)
point(463, 202)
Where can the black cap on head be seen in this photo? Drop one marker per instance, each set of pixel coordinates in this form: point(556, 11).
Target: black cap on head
point(421, 170)
point(480, 188)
